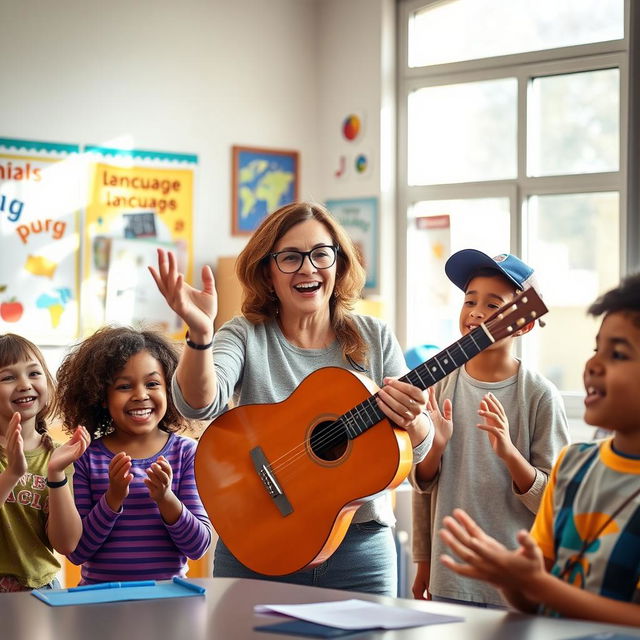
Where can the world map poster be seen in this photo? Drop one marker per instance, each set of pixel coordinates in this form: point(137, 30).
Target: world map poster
point(40, 200)
point(262, 181)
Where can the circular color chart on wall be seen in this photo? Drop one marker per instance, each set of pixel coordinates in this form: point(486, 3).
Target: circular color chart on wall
point(351, 126)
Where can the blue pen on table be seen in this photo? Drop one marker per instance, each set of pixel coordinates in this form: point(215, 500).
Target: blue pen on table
point(189, 585)
point(113, 585)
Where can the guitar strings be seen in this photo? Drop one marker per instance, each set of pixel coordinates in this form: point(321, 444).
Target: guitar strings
point(456, 348)
point(300, 450)
point(360, 411)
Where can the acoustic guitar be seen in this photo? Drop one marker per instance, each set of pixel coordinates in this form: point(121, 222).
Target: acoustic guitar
point(281, 482)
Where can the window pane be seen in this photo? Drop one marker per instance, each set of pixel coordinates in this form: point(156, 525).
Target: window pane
point(574, 123)
point(437, 228)
point(574, 247)
point(469, 29)
point(462, 132)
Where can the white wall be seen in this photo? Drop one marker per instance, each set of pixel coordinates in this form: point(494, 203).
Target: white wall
point(357, 75)
point(198, 76)
point(194, 76)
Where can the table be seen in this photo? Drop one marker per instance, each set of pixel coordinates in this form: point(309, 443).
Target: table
point(226, 613)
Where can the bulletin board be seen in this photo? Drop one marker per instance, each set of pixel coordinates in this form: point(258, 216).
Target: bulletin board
point(138, 201)
point(359, 216)
point(79, 226)
point(40, 202)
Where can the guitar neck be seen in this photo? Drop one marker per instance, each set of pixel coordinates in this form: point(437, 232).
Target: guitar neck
point(365, 415)
point(450, 359)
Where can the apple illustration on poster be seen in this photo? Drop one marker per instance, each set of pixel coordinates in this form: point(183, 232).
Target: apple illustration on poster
point(12, 310)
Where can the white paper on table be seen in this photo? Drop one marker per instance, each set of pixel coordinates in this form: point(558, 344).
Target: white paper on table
point(357, 614)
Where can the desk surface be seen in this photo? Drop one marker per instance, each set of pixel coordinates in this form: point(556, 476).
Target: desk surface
point(226, 613)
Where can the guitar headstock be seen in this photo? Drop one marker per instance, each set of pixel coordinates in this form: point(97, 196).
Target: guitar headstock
point(515, 315)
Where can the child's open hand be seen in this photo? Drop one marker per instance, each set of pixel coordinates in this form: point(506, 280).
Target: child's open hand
point(484, 558)
point(14, 449)
point(119, 480)
point(496, 425)
point(70, 451)
point(158, 480)
point(442, 420)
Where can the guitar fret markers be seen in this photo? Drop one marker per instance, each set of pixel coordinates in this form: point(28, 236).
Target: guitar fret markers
point(365, 415)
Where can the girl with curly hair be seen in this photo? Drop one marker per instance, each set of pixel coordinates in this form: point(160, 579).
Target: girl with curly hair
point(134, 487)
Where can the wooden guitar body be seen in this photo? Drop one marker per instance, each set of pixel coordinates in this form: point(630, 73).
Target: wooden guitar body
point(323, 475)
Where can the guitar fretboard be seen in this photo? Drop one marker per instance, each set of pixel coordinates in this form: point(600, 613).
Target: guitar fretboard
point(363, 416)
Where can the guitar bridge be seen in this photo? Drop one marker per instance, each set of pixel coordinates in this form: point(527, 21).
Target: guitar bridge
point(268, 479)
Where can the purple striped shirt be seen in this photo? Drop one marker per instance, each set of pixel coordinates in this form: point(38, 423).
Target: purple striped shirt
point(135, 543)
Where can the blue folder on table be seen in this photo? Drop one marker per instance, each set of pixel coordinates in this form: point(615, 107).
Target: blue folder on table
point(118, 592)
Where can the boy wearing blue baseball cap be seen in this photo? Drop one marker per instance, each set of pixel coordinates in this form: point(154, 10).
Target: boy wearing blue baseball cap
point(499, 428)
point(463, 265)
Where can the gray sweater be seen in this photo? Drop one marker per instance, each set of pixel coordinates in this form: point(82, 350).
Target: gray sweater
point(255, 364)
point(474, 478)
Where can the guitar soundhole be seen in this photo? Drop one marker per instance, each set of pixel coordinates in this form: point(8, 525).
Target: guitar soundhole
point(329, 441)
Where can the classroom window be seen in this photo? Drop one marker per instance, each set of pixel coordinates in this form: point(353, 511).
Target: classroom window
point(574, 123)
point(513, 135)
point(473, 29)
point(436, 229)
point(463, 132)
point(573, 240)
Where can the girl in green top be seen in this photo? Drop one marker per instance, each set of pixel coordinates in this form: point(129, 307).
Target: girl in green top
point(37, 511)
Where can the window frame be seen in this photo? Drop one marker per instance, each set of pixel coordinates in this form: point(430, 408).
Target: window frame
point(623, 54)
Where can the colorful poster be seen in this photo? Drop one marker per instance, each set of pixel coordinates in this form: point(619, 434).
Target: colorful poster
point(359, 216)
point(130, 300)
point(430, 291)
point(40, 199)
point(435, 235)
point(133, 195)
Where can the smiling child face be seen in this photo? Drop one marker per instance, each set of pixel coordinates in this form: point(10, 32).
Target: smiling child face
point(612, 373)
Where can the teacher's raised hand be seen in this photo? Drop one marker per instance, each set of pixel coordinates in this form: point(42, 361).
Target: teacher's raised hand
point(198, 308)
